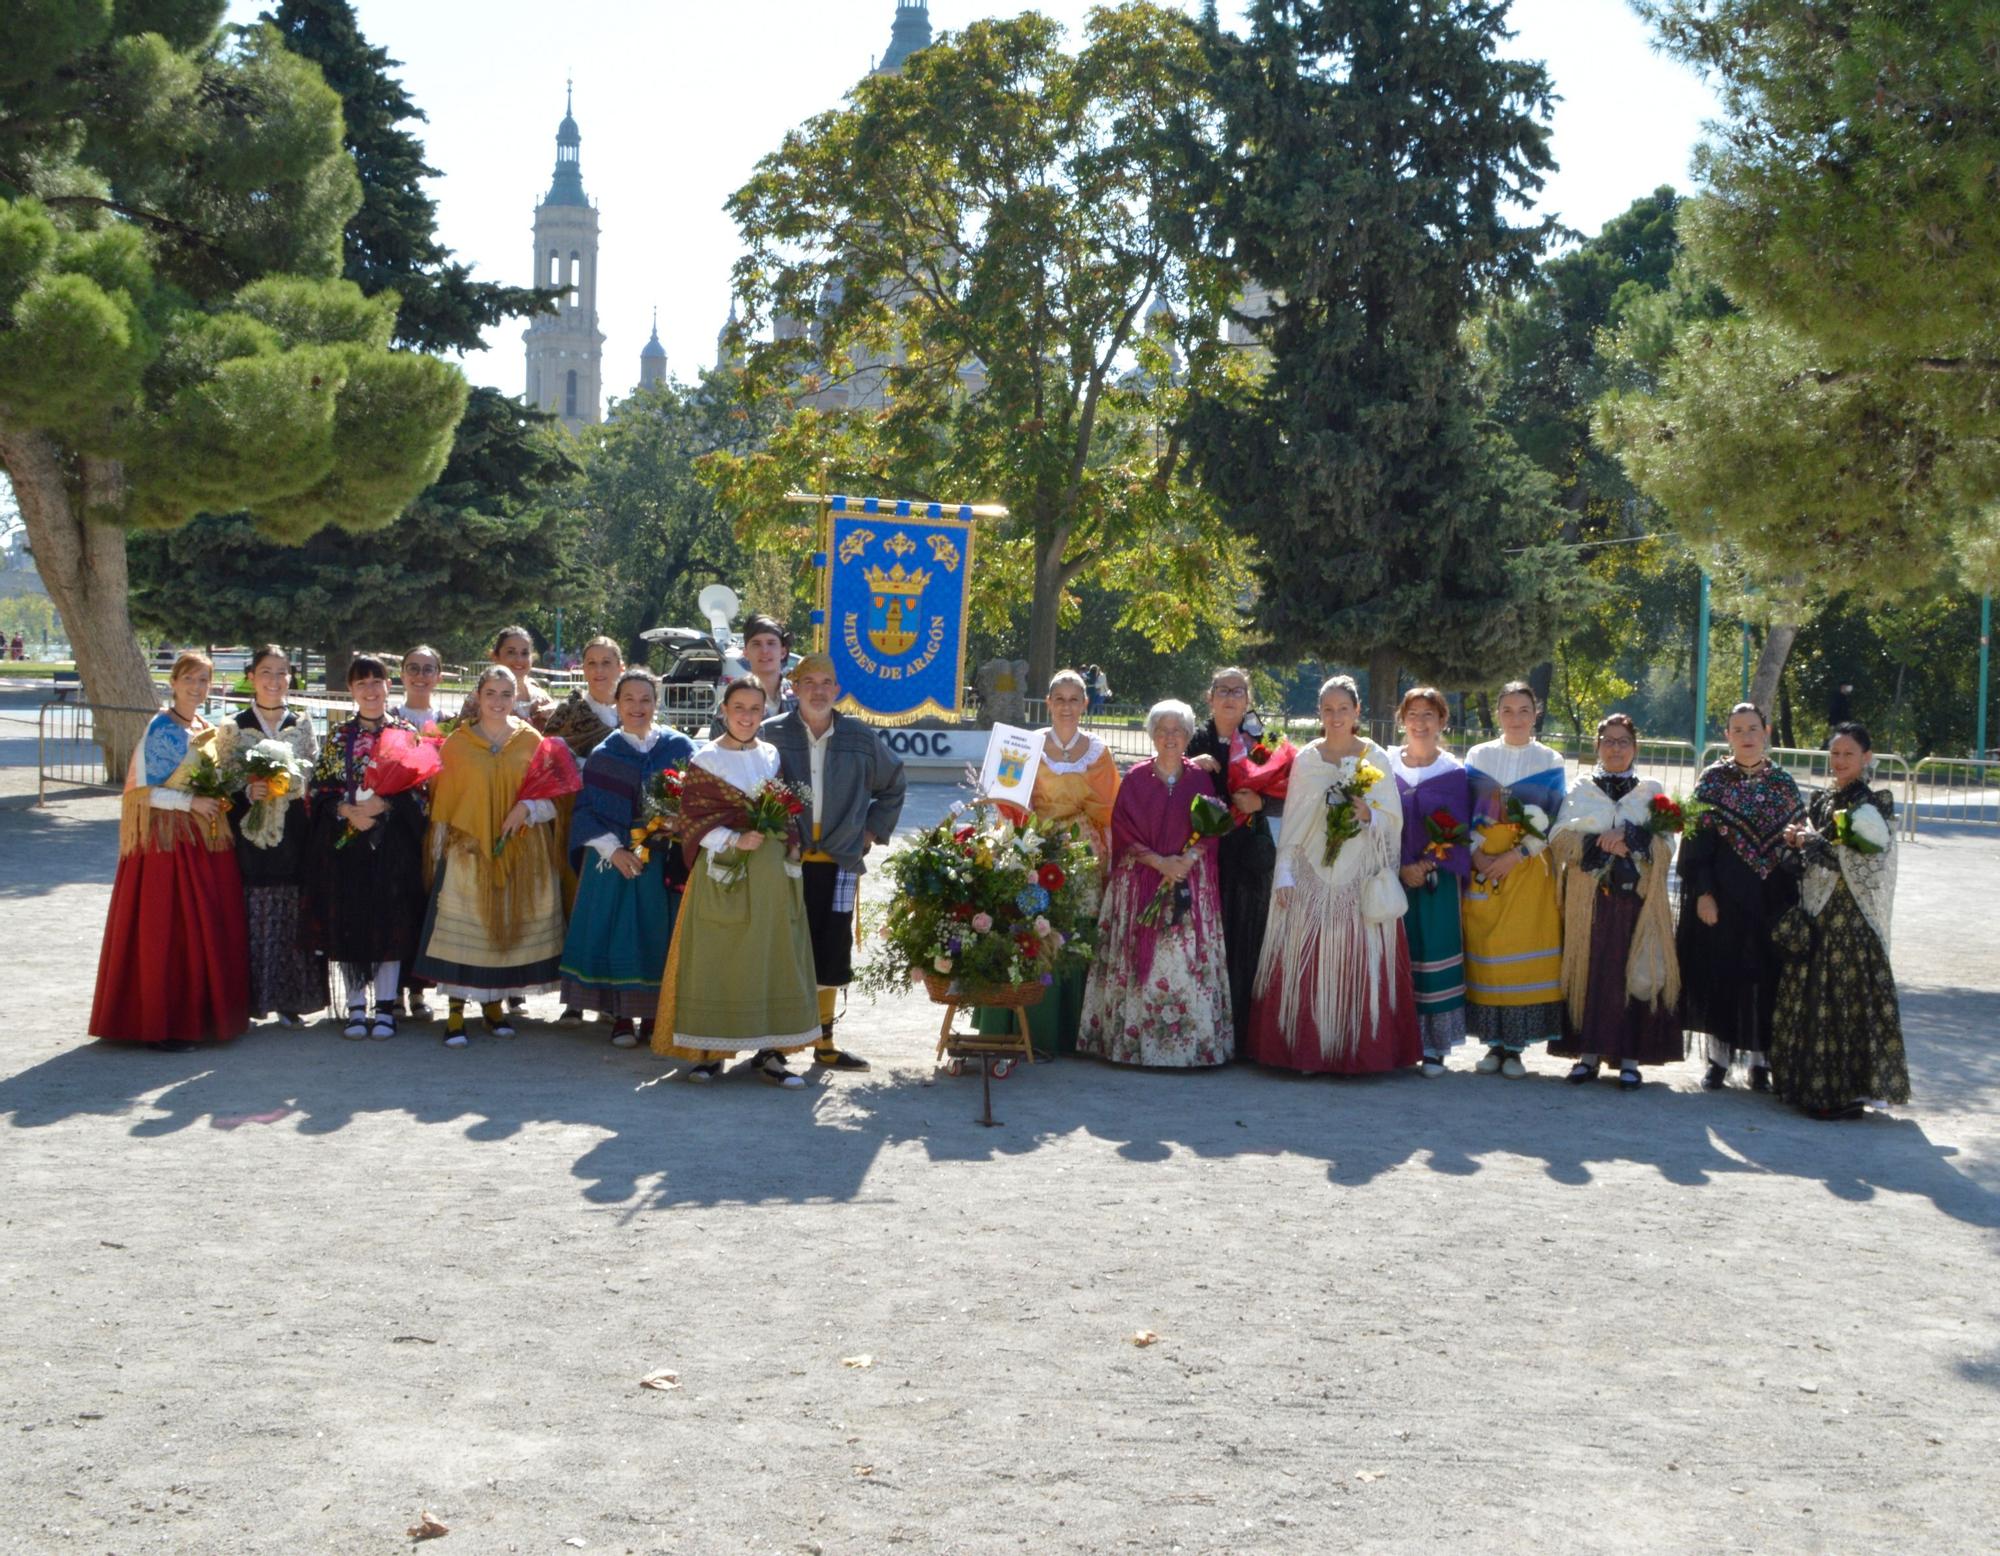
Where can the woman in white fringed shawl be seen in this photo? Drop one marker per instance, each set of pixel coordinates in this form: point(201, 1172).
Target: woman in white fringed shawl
point(1620, 980)
point(1333, 988)
point(1837, 1037)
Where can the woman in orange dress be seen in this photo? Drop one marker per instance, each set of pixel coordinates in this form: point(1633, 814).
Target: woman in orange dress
point(1077, 784)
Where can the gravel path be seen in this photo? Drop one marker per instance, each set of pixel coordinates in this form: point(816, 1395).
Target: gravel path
point(291, 1294)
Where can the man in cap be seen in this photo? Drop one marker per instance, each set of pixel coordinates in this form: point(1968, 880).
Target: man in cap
point(857, 794)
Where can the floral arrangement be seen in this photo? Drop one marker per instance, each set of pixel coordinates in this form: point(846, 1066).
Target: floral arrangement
point(212, 780)
point(1265, 770)
point(1341, 821)
point(1531, 819)
point(987, 902)
point(659, 814)
point(1692, 810)
point(1665, 817)
point(552, 773)
point(774, 809)
point(1861, 828)
point(275, 764)
point(400, 762)
point(1207, 817)
point(1444, 832)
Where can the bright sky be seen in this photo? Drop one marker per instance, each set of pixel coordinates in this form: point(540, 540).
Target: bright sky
point(677, 99)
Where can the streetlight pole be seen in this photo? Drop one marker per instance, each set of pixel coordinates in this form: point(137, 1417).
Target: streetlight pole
point(1701, 673)
point(1985, 658)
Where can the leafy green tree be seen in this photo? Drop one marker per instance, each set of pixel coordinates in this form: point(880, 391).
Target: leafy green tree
point(1838, 430)
point(433, 574)
point(174, 335)
point(1368, 148)
point(657, 532)
point(486, 543)
point(991, 251)
point(1539, 360)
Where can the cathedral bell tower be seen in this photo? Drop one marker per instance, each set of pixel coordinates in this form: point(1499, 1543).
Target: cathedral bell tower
point(565, 349)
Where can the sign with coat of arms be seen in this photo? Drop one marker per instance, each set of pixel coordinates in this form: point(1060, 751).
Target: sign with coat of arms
point(896, 596)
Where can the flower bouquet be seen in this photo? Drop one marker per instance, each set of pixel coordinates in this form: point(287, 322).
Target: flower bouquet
point(552, 773)
point(400, 762)
point(1207, 818)
point(211, 779)
point(984, 904)
point(659, 814)
point(1861, 828)
point(1443, 832)
point(774, 809)
point(1665, 817)
point(276, 765)
point(1265, 770)
point(1341, 821)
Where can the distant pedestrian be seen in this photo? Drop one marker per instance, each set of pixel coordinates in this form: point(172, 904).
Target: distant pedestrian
point(16, 650)
point(1840, 706)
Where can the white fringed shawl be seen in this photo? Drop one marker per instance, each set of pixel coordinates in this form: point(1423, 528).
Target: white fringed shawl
point(1353, 960)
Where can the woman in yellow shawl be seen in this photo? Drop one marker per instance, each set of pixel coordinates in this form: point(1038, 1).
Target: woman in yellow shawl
point(494, 929)
point(1077, 783)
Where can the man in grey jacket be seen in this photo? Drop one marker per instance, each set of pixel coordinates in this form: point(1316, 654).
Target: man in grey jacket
point(857, 794)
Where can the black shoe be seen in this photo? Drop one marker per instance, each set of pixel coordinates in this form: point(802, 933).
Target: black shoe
point(1760, 1077)
point(1715, 1078)
point(1628, 1079)
point(839, 1059)
point(571, 1016)
point(173, 1045)
point(1581, 1072)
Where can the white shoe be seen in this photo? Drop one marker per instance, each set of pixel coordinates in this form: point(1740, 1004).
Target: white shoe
point(625, 1039)
point(1490, 1065)
point(1512, 1068)
point(1433, 1066)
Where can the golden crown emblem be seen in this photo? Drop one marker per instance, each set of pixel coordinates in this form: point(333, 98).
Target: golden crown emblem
point(896, 580)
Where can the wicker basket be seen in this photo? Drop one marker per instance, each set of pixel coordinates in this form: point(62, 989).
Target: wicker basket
point(944, 991)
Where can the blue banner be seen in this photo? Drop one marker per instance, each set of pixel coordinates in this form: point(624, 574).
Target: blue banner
point(896, 602)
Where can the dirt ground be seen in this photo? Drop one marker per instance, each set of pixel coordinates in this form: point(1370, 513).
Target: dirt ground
point(292, 1294)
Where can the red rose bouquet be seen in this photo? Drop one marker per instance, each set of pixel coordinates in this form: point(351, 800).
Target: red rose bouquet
point(552, 773)
point(399, 763)
point(1265, 770)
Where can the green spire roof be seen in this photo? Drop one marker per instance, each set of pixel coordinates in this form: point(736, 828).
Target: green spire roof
point(567, 187)
point(912, 31)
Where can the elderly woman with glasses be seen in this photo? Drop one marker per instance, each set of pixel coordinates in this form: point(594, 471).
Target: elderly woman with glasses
point(1159, 990)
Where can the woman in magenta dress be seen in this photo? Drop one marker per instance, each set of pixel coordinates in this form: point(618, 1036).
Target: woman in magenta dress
point(1333, 985)
point(1159, 989)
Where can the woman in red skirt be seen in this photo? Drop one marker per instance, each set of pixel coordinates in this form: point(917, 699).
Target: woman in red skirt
point(175, 966)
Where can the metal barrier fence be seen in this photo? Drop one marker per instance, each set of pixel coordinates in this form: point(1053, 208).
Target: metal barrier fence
point(1950, 790)
point(67, 751)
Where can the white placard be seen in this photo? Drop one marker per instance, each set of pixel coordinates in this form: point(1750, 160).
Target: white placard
point(1013, 757)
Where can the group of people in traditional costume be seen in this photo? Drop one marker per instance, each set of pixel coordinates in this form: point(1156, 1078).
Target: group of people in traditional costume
point(485, 886)
point(1383, 906)
point(1370, 911)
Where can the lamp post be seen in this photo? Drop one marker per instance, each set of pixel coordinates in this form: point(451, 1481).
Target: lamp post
point(1701, 672)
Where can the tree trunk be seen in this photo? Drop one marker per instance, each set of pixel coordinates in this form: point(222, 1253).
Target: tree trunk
point(1384, 671)
point(1542, 677)
point(1778, 641)
point(1044, 617)
point(82, 565)
point(1785, 732)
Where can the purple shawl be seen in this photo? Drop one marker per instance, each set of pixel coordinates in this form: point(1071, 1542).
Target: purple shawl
point(1150, 818)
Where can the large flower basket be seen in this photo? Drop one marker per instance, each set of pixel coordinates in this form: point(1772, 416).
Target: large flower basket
point(945, 990)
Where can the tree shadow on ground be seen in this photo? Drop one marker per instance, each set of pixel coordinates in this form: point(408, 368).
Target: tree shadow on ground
point(657, 1142)
point(1365, 1127)
point(49, 847)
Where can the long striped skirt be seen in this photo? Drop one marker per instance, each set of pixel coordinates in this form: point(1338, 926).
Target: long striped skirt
point(1513, 957)
point(1437, 961)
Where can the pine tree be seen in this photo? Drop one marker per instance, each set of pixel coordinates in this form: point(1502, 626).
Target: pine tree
point(436, 572)
point(175, 337)
point(1368, 146)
